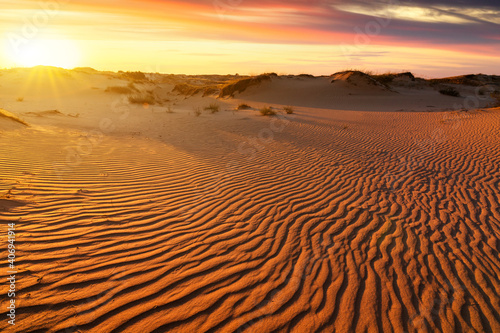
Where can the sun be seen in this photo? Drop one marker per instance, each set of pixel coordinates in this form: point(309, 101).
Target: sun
point(47, 52)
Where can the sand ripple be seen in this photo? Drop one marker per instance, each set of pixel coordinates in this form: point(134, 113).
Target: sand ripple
point(383, 223)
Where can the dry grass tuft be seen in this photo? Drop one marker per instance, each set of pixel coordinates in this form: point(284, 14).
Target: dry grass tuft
point(213, 108)
point(267, 111)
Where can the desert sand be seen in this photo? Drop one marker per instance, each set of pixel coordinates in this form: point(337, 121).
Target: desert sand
point(373, 207)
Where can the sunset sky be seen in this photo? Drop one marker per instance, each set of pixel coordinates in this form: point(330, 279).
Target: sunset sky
point(429, 38)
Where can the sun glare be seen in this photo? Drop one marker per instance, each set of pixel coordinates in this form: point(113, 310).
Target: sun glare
point(57, 53)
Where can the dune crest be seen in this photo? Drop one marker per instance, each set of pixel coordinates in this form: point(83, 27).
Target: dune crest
point(358, 80)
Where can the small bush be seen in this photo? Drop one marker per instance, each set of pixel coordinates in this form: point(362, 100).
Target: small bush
point(119, 90)
point(142, 99)
point(213, 108)
point(244, 106)
point(20, 99)
point(450, 91)
point(197, 112)
point(267, 112)
point(288, 109)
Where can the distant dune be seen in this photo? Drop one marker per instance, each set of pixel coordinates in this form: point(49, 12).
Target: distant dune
point(169, 203)
point(348, 90)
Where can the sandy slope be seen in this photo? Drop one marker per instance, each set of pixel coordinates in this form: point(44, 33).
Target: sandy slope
point(321, 221)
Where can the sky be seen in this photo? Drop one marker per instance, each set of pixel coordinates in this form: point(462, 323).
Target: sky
point(431, 38)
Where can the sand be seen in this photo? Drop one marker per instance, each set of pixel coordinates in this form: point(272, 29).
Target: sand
point(148, 218)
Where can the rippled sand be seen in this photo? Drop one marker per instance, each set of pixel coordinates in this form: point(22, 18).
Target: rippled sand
point(321, 221)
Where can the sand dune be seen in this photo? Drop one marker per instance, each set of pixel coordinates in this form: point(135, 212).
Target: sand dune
point(360, 92)
point(321, 221)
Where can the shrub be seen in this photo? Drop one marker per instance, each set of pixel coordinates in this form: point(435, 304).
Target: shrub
point(450, 91)
point(197, 112)
point(20, 99)
point(142, 99)
point(288, 109)
point(267, 112)
point(244, 106)
point(119, 90)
